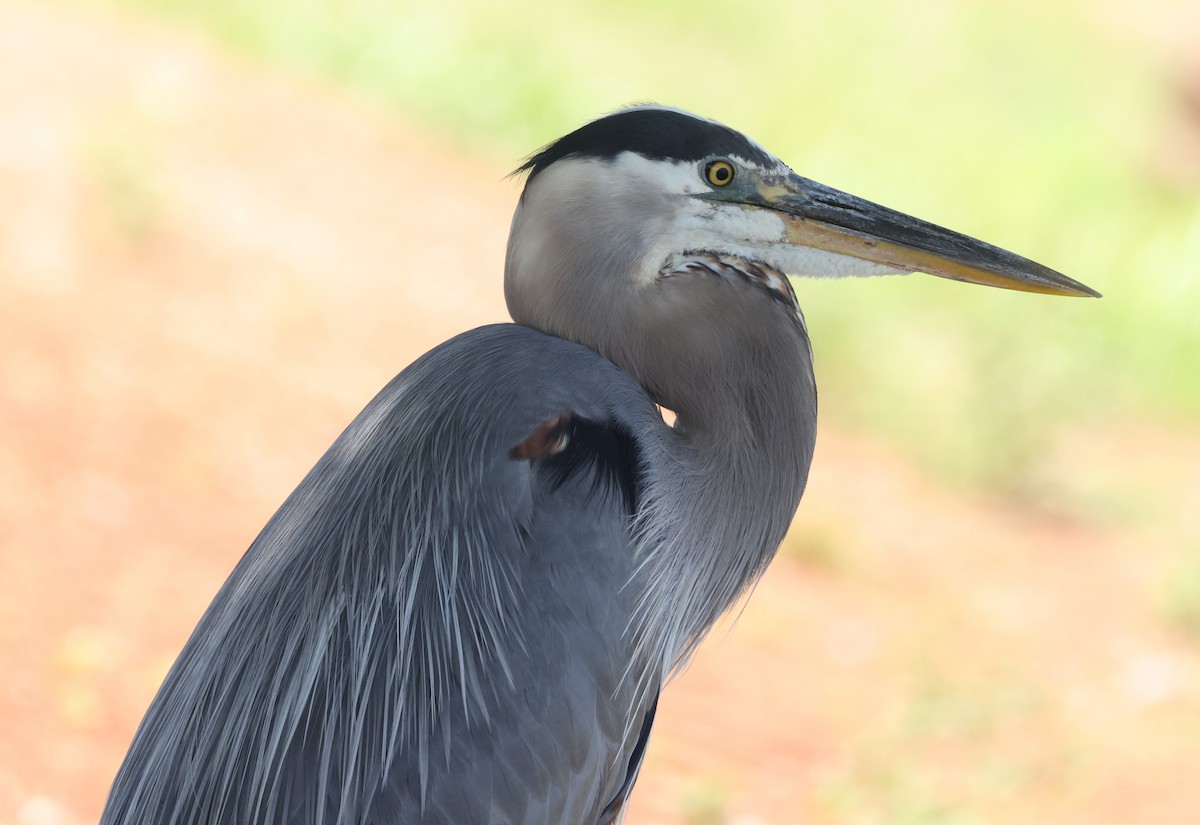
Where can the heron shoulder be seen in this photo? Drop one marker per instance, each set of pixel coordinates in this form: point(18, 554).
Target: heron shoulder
point(418, 552)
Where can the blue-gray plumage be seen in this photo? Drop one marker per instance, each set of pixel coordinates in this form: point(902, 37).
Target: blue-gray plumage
point(383, 618)
point(466, 611)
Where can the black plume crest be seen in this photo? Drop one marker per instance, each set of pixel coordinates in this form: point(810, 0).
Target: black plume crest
point(653, 132)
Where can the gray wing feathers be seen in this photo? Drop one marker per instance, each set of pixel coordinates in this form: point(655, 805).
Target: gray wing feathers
point(425, 631)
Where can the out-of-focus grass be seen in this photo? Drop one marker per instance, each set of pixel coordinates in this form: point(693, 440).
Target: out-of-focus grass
point(706, 804)
point(818, 546)
point(120, 161)
point(1036, 128)
point(946, 758)
point(1180, 593)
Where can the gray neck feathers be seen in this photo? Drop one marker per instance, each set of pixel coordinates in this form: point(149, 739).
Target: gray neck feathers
point(720, 497)
point(730, 357)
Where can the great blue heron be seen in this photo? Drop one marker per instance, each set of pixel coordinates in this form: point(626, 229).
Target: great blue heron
point(466, 611)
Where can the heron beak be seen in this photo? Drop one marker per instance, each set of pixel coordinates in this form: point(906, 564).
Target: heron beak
point(817, 216)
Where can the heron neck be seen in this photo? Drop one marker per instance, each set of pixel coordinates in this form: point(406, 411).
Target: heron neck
point(724, 499)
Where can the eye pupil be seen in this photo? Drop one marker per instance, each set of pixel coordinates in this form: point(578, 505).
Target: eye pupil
point(719, 172)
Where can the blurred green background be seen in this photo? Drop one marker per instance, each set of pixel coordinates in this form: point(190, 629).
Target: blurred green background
point(1053, 129)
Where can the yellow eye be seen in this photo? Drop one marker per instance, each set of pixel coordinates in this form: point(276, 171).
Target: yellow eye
point(719, 172)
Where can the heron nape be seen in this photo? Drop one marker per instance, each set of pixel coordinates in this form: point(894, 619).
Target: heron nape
point(466, 611)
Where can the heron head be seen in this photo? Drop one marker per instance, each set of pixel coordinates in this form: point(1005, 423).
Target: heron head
point(651, 228)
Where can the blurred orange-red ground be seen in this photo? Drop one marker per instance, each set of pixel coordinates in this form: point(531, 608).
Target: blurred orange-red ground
point(206, 269)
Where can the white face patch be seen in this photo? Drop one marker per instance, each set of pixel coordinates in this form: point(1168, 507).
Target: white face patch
point(731, 230)
point(665, 176)
point(740, 224)
point(753, 234)
point(807, 262)
point(642, 212)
